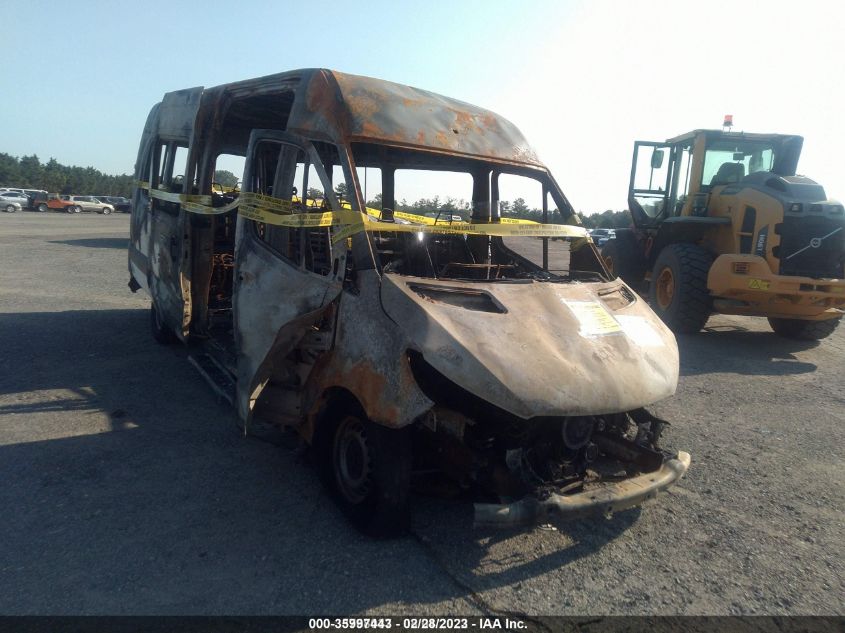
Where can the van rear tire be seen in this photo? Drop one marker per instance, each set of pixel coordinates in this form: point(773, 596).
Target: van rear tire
point(161, 333)
point(804, 330)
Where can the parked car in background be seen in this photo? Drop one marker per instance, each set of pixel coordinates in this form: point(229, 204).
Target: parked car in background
point(11, 201)
point(88, 203)
point(36, 197)
point(600, 236)
point(119, 203)
point(57, 202)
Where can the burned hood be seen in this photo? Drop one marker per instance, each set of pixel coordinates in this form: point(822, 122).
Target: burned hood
point(538, 348)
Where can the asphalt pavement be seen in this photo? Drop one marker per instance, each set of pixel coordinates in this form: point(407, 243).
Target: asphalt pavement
point(128, 489)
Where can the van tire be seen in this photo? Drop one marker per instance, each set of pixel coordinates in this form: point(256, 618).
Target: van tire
point(367, 469)
point(161, 333)
point(804, 330)
point(678, 291)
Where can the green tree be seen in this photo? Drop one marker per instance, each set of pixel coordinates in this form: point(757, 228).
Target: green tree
point(341, 190)
point(32, 173)
point(225, 178)
point(376, 202)
point(10, 170)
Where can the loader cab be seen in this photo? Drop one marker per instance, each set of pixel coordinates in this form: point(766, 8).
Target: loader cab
point(675, 178)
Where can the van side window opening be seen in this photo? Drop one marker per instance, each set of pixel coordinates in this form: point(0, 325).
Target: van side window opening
point(168, 158)
point(285, 172)
point(522, 197)
point(228, 174)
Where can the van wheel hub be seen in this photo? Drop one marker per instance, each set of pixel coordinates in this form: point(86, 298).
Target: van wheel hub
point(353, 460)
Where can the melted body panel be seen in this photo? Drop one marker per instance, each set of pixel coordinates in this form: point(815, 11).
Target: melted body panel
point(514, 371)
point(556, 350)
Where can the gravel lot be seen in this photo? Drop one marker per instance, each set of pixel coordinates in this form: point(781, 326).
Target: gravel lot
point(126, 488)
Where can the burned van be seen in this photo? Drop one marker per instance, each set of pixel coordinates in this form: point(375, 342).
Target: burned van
point(471, 336)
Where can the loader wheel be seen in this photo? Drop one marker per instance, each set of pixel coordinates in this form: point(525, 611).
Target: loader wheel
point(678, 291)
point(804, 330)
point(367, 468)
point(161, 333)
point(624, 259)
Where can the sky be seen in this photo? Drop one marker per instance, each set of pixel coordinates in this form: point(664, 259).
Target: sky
point(582, 80)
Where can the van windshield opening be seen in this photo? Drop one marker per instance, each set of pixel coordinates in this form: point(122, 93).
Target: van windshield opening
point(457, 194)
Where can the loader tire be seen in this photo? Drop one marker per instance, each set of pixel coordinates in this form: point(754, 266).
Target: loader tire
point(804, 330)
point(678, 290)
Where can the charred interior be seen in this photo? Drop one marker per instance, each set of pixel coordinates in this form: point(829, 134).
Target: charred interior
point(469, 257)
point(482, 447)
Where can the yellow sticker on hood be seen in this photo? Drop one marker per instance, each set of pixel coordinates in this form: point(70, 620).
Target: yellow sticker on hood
point(593, 318)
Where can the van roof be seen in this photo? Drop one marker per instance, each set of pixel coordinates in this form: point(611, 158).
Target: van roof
point(353, 108)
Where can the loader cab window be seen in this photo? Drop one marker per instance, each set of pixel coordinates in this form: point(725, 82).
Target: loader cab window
point(728, 161)
point(681, 177)
point(651, 178)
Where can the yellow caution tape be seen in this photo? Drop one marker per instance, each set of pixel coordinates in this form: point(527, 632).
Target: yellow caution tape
point(279, 212)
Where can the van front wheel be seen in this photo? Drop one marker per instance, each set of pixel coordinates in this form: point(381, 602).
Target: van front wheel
point(368, 469)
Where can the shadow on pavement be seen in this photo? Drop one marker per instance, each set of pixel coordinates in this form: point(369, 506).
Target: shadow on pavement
point(481, 558)
point(97, 242)
point(134, 492)
point(730, 349)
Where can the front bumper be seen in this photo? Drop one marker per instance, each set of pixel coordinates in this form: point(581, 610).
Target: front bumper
point(745, 284)
point(608, 498)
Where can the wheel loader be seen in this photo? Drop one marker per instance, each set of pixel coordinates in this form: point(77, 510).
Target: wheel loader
point(722, 223)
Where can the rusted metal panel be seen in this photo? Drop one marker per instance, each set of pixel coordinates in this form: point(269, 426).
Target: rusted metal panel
point(178, 113)
point(535, 357)
point(349, 108)
point(274, 303)
point(369, 360)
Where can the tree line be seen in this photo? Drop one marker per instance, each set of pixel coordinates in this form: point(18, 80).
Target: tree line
point(28, 172)
point(518, 209)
